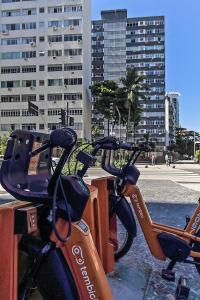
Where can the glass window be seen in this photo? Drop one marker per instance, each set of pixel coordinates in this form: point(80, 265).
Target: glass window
point(11, 13)
point(29, 11)
point(54, 97)
point(72, 37)
point(10, 42)
point(54, 82)
point(73, 52)
point(12, 27)
point(55, 10)
point(10, 70)
point(13, 98)
point(31, 25)
point(41, 97)
point(28, 83)
point(55, 52)
point(28, 40)
point(28, 69)
point(41, 10)
point(54, 68)
point(10, 84)
point(41, 24)
point(72, 22)
point(41, 82)
point(54, 38)
point(55, 24)
point(72, 81)
point(41, 68)
point(41, 39)
point(29, 54)
point(10, 55)
point(28, 97)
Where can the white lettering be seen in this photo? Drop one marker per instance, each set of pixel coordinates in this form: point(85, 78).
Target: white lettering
point(78, 254)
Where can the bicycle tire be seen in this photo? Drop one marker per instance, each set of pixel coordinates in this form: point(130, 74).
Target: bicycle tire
point(196, 248)
point(125, 247)
point(124, 214)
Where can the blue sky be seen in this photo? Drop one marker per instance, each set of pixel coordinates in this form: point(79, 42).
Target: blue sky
point(182, 28)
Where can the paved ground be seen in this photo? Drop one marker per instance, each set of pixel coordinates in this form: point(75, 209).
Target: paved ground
point(171, 193)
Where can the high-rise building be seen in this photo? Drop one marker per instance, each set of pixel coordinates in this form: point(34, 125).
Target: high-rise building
point(46, 59)
point(171, 117)
point(120, 43)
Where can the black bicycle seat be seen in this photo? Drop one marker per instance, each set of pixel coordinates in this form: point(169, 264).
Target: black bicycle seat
point(25, 177)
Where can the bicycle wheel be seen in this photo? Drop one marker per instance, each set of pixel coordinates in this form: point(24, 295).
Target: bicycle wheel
point(196, 247)
point(122, 227)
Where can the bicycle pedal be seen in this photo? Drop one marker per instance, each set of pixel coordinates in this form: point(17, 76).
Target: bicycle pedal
point(182, 290)
point(168, 275)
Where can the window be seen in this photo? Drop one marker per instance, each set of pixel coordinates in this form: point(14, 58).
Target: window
point(41, 39)
point(54, 82)
point(75, 112)
point(12, 27)
point(41, 111)
point(27, 97)
point(29, 11)
point(10, 84)
point(28, 69)
point(54, 38)
point(10, 70)
point(41, 53)
point(55, 52)
point(55, 24)
point(28, 54)
point(11, 13)
point(9, 127)
point(73, 96)
point(10, 42)
point(25, 113)
point(41, 24)
point(73, 52)
point(28, 40)
point(73, 81)
point(31, 126)
point(41, 82)
point(13, 98)
point(54, 68)
point(53, 112)
point(31, 25)
point(41, 68)
point(73, 8)
point(41, 10)
point(41, 126)
point(28, 83)
point(72, 37)
point(53, 126)
point(72, 67)
point(41, 97)
point(54, 97)
point(10, 113)
point(72, 22)
point(9, 1)
point(55, 10)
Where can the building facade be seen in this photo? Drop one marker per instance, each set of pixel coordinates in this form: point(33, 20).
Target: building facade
point(120, 43)
point(171, 117)
point(45, 58)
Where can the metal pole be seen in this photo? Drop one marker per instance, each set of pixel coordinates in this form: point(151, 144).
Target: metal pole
point(67, 113)
point(194, 144)
point(119, 122)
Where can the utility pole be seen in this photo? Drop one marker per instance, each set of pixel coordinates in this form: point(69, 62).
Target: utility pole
point(119, 122)
point(194, 144)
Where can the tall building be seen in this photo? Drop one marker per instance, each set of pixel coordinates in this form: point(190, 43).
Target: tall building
point(171, 117)
point(45, 58)
point(120, 43)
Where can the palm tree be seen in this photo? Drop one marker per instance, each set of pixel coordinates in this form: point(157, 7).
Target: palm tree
point(134, 88)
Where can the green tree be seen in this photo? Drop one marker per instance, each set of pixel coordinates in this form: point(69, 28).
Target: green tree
point(3, 143)
point(134, 88)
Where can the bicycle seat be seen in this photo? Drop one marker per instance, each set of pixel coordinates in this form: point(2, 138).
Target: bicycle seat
point(25, 177)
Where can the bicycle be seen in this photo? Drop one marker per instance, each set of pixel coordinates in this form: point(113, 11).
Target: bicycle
point(63, 261)
point(163, 241)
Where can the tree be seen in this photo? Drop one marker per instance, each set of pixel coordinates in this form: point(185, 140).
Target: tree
point(134, 87)
point(3, 143)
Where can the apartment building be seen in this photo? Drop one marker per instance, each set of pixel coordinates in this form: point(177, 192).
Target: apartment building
point(171, 117)
point(45, 58)
point(120, 43)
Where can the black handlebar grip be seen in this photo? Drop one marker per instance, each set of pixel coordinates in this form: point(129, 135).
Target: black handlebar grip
point(63, 138)
point(107, 143)
point(126, 146)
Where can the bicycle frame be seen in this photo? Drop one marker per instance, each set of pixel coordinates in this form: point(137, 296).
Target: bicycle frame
point(79, 251)
point(151, 229)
